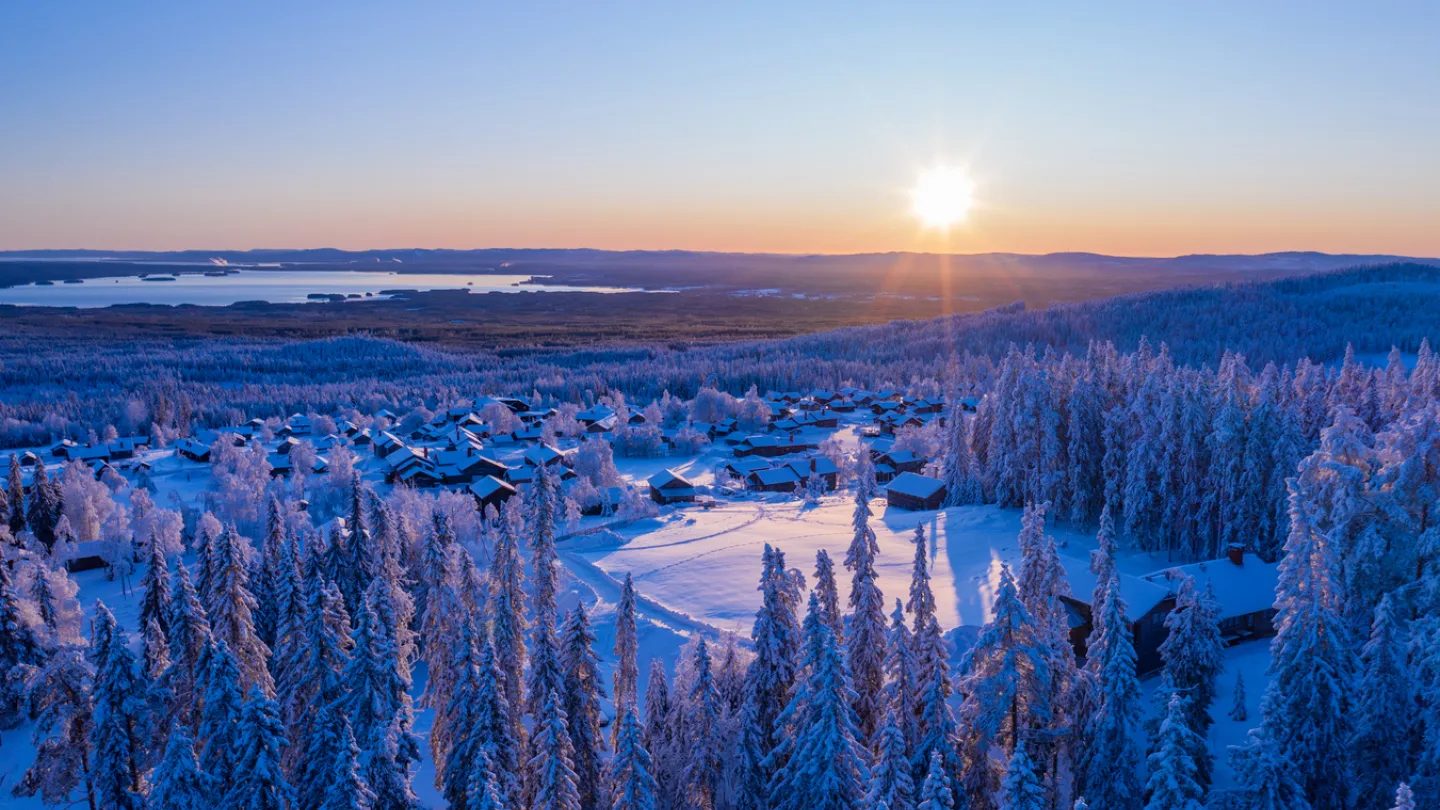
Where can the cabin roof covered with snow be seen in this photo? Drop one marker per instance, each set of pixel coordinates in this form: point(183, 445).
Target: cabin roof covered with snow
point(1239, 589)
point(915, 485)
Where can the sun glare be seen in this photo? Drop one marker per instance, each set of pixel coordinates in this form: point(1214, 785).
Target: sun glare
point(942, 197)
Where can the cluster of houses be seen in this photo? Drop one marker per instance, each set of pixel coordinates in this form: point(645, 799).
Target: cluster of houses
point(121, 453)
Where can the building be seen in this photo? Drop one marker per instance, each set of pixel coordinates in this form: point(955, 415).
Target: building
point(668, 486)
point(914, 491)
point(490, 491)
point(1243, 586)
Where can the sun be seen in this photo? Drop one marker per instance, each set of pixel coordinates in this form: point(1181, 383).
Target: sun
point(943, 197)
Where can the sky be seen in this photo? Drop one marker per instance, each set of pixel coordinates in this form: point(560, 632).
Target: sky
point(1141, 129)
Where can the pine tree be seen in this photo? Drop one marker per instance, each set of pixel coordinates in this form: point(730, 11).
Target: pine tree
point(348, 788)
point(659, 735)
point(867, 635)
point(220, 716)
point(188, 638)
point(1112, 774)
point(824, 761)
point(771, 676)
point(1194, 656)
point(507, 612)
point(891, 782)
point(19, 647)
point(902, 689)
point(1238, 712)
point(316, 768)
point(935, 792)
point(15, 495)
point(551, 767)
point(829, 593)
point(704, 767)
point(117, 735)
point(1379, 750)
point(156, 604)
point(1307, 706)
point(312, 678)
point(1404, 798)
point(269, 579)
point(1005, 689)
point(484, 792)
point(43, 511)
point(258, 783)
point(1265, 776)
point(627, 644)
point(632, 783)
point(61, 698)
point(232, 612)
point(583, 692)
point(1174, 776)
point(178, 783)
point(1022, 789)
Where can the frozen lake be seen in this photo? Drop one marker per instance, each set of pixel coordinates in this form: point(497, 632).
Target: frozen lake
point(274, 286)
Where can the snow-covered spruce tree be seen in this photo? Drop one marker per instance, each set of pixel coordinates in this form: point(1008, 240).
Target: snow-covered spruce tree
point(258, 783)
point(20, 649)
point(891, 781)
point(1380, 748)
point(1265, 777)
point(1115, 736)
point(771, 676)
point(627, 645)
point(315, 773)
point(865, 486)
point(1174, 777)
point(435, 571)
point(178, 783)
point(220, 715)
point(312, 680)
point(15, 496)
point(1238, 711)
point(1042, 584)
point(1022, 789)
point(632, 783)
point(583, 693)
point(1404, 798)
point(658, 734)
point(348, 788)
point(551, 769)
point(507, 614)
point(1307, 706)
point(484, 792)
point(936, 792)
point(61, 699)
point(704, 767)
point(1193, 654)
point(378, 704)
point(156, 583)
point(268, 578)
point(902, 690)
point(962, 477)
point(361, 564)
point(829, 593)
point(188, 638)
point(118, 735)
point(232, 612)
point(824, 761)
point(866, 632)
point(1005, 690)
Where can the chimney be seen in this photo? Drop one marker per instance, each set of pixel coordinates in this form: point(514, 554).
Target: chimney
point(1236, 553)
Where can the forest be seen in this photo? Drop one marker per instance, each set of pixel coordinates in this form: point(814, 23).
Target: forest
point(289, 631)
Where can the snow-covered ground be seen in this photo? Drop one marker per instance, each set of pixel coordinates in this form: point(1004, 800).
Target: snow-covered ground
point(696, 571)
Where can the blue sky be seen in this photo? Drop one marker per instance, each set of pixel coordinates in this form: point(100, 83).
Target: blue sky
point(1137, 128)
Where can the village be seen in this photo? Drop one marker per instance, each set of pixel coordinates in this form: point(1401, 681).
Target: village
point(635, 476)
